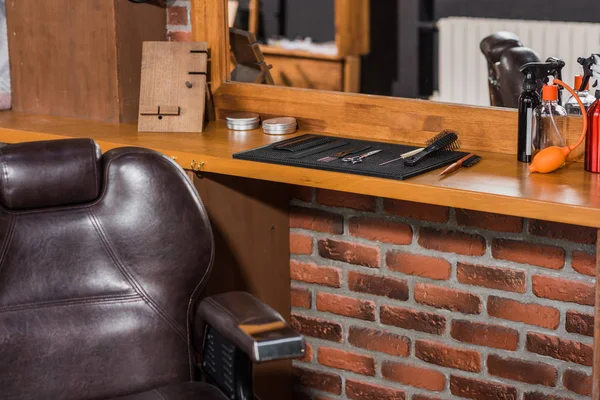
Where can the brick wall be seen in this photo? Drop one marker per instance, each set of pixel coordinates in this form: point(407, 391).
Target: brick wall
point(409, 301)
point(179, 27)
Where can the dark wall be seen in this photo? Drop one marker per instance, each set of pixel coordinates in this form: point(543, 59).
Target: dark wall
point(299, 18)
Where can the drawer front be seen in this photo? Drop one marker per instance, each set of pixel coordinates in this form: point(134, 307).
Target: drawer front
point(306, 73)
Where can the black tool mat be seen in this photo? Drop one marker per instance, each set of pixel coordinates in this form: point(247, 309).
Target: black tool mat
point(369, 167)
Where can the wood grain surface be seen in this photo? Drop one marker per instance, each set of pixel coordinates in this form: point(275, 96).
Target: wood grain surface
point(498, 184)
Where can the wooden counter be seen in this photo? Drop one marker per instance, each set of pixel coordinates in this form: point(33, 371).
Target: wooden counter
point(498, 184)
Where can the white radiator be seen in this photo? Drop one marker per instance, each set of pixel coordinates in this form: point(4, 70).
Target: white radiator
point(463, 68)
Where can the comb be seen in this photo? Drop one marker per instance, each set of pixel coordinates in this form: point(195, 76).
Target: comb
point(471, 161)
point(447, 140)
point(454, 146)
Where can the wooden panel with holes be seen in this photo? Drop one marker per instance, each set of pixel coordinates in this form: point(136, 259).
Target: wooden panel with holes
point(173, 88)
point(306, 73)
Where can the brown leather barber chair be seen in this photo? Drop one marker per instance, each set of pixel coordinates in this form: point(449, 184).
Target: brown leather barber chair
point(99, 292)
point(505, 56)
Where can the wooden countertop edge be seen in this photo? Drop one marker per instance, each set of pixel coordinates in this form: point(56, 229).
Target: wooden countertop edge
point(459, 198)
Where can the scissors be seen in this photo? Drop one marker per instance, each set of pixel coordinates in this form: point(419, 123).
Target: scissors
point(359, 159)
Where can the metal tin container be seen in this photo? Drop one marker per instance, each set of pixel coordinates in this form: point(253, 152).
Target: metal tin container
point(243, 121)
point(280, 126)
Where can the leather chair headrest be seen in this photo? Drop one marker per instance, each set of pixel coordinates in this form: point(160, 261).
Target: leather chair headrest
point(49, 173)
point(494, 45)
point(510, 76)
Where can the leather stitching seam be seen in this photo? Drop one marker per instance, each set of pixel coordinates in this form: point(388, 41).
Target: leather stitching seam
point(8, 240)
point(132, 281)
point(68, 302)
point(160, 394)
point(5, 173)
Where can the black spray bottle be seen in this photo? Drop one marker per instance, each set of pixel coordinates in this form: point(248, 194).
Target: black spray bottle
point(530, 98)
point(528, 101)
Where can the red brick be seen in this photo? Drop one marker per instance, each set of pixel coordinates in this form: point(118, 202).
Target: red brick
point(365, 391)
point(413, 319)
point(522, 371)
point(419, 265)
point(301, 244)
point(376, 340)
point(542, 255)
point(381, 230)
point(447, 299)
point(421, 211)
point(177, 15)
point(487, 335)
point(446, 356)
point(346, 306)
point(563, 290)
point(578, 382)
point(580, 323)
point(341, 359)
point(346, 200)
point(556, 230)
point(312, 273)
point(584, 263)
point(489, 221)
point(325, 381)
point(452, 242)
point(561, 349)
point(301, 297)
point(476, 389)
point(317, 327)
point(302, 193)
point(492, 277)
point(179, 36)
point(308, 354)
point(316, 220)
point(378, 285)
point(414, 376)
point(351, 253)
point(542, 396)
point(528, 313)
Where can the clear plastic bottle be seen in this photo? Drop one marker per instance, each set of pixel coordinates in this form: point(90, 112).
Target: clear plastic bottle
point(550, 121)
point(587, 99)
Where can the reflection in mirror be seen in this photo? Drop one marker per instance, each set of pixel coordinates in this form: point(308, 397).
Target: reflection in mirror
point(459, 51)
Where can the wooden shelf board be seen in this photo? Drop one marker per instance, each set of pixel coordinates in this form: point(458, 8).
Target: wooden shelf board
point(498, 184)
point(278, 51)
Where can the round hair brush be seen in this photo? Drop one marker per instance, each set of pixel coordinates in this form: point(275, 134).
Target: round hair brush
point(447, 140)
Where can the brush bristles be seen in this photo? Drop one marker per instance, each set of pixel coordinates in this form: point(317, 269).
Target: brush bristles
point(455, 145)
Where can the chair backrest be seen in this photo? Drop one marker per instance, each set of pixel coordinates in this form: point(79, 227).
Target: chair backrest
point(101, 258)
point(505, 56)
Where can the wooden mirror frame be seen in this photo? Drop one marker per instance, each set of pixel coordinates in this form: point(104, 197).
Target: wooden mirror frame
point(377, 117)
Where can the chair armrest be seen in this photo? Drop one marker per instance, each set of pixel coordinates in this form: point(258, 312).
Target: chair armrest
point(250, 325)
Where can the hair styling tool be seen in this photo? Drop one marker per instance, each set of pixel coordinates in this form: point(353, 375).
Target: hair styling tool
point(471, 161)
point(454, 146)
point(359, 159)
point(344, 153)
point(319, 149)
point(552, 158)
point(302, 143)
point(591, 68)
point(443, 143)
point(455, 166)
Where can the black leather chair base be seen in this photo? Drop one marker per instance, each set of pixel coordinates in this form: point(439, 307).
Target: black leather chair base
point(182, 391)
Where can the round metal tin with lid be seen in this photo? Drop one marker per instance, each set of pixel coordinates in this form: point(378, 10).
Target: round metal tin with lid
point(280, 126)
point(243, 121)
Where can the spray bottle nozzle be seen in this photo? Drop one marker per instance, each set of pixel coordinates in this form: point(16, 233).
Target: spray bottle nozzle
point(589, 70)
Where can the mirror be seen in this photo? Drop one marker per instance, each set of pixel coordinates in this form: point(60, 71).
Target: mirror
point(426, 49)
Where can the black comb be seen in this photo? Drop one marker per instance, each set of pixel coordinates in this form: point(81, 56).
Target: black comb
point(443, 143)
point(471, 161)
